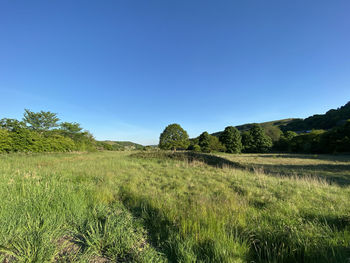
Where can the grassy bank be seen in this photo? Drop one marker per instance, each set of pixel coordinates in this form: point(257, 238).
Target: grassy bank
point(122, 207)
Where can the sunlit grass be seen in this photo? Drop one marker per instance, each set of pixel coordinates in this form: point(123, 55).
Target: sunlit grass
point(122, 207)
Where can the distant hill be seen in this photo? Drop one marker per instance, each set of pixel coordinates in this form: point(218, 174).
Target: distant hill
point(272, 128)
point(330, 119)
point(125, 145)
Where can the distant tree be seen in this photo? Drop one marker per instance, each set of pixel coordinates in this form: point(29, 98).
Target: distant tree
point(215, 145)
point(285, 141)
point(70, 127)
point(204, 142)
point(256, 140)
point(6, 143)
point(11, 124)
point(196, 148)
point(231, 138)
point(173, 137)
point(273, 132)
point(247, 141)
point(40, 121)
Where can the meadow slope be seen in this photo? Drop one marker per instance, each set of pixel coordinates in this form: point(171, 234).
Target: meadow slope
point(165, 207)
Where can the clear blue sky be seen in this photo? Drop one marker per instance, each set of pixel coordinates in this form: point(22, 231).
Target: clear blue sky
point(126, 69)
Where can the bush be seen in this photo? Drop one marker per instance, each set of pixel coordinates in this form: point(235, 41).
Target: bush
point(5, 141)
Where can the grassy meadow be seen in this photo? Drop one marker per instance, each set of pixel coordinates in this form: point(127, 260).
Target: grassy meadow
point(174, 207)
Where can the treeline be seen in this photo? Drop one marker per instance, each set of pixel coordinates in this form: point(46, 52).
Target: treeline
point(257, 140)
point(42, 132)
point(327, 121)
point(336, 140)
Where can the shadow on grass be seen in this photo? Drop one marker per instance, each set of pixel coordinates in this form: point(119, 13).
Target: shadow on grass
point(164, 235)
point(159, 228)
point(209, 159)
point(332, 173)
point(337, 222)
point(324, 157)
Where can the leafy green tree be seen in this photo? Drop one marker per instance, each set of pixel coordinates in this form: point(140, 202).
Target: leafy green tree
point(196, 148)
point(215, 145)
point(273, 132)
point(247, 141)
point(40, 121)
point(173, 137)
point(256, 140)
point(204, 142)
point(5, 141)
point(70, 127)
point(232, 140)
point(285, 141)
point(11, 124)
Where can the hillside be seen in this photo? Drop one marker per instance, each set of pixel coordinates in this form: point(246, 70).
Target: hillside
point(124, 145)
point(276, 123)
point(330, 119)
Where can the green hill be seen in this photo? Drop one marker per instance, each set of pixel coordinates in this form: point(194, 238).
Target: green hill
point(272, 128)
point(329, 120)
point(124, 145)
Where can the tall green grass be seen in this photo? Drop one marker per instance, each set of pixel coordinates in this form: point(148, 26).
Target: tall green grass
point(126, 208)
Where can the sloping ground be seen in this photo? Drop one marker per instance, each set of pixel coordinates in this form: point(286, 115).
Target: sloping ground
point(265, 125)
point(154, 207)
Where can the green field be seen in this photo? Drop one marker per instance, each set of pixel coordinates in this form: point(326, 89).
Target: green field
point(182, 207)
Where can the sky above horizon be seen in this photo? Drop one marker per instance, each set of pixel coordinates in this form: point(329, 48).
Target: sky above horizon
point(127, 69)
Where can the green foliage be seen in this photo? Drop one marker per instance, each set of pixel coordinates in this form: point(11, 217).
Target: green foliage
point(316, 141)
point(215, 145)
point(70, 127)
point(204, 142)
point(39, 135)
point(11, 124)
point(273, 132)
point(256, 141)
point(40, 121)
point(284, 143)
point(329, 120)
point(196, 148)
point(231, 139)
point(5, 141)
point(173, 137)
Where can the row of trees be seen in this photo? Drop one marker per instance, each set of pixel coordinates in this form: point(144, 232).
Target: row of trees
point(230, 140)
point(42, 132)
point(255, 140)
point(316, 141)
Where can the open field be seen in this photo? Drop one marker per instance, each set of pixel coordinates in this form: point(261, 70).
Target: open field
point(161, 207)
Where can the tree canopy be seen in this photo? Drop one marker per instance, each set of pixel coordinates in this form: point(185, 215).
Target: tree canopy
point(231, 139)
point(173, 137)
point(40, 121)
point(256, 141)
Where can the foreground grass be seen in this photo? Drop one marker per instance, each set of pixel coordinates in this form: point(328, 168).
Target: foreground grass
point(122, 207)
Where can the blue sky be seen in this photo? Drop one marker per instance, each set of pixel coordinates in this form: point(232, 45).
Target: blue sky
point(126, 69)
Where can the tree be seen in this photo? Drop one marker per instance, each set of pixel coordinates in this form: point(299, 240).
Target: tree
point(70, 127)
point(231, 139)
point(173, 137)
point(215, 145)
point(204, 142)
point(11, 124)
point(256, 140)
point(273, 132)
point(40, 121)
point(247, 141)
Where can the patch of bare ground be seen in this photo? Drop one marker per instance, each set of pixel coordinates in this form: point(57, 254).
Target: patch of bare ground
point(68, 249)
point(9, 259)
